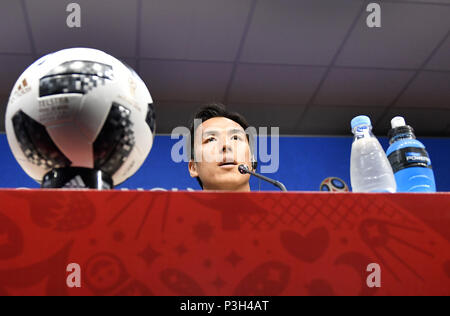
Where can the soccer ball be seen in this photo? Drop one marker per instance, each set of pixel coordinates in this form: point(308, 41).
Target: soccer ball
point(80, 107)
point(334, 184)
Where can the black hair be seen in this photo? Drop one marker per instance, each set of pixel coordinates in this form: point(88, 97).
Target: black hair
point(210, 111)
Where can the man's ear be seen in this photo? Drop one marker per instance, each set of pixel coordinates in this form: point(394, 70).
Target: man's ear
point(193, 169)
point(254, 164)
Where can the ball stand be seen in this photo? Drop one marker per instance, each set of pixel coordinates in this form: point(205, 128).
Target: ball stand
point(77, 178)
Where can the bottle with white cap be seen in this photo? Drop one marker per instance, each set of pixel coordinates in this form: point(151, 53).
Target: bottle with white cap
point(409, 159)
point(370, 169)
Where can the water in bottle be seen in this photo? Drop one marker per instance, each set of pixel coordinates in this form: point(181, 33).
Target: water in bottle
point(409, 159)
point(370, 169)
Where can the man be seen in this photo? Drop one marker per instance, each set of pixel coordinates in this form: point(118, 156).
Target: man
point(219, 144)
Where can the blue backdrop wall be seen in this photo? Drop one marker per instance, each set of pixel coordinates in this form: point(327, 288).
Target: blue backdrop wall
point(304, 163)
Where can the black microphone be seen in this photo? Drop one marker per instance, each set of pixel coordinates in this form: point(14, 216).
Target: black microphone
point(244, 169)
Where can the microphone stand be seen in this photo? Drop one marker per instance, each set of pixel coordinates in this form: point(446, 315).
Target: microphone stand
point(243, 169)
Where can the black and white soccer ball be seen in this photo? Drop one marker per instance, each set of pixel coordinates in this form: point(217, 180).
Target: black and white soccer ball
point(80, 107)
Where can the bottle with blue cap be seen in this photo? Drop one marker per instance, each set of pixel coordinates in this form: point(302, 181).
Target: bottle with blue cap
point(409, 159)
point(370, 168)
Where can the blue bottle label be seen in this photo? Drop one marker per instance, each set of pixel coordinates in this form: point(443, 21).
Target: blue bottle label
point(408, 158)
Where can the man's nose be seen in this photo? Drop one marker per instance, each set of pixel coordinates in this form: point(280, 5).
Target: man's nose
point(226, 147)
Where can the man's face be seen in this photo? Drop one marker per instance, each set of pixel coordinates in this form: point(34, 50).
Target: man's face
point(220, 146)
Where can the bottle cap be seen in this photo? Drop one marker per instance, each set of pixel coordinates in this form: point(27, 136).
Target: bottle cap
point(398, 121)
point(361, 120)
point(400, 129)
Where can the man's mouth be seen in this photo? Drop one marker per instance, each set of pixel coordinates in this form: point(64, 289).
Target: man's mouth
point(229, 164)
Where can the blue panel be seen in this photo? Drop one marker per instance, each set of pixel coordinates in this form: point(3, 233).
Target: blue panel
point(304, 163)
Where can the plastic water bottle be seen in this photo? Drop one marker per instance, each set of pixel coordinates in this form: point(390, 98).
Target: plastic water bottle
point(409, 159)
point(370, 169)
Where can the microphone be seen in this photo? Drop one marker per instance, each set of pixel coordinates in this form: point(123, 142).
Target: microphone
point(243, 169)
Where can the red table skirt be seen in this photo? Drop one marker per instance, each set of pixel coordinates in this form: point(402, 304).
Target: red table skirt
point(245, 244)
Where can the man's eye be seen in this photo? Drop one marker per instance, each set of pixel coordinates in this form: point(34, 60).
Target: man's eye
point(236, 137)
point(210, 139)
